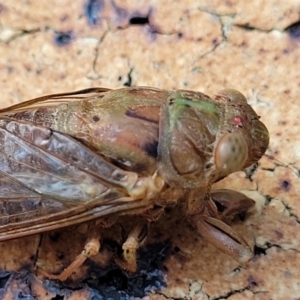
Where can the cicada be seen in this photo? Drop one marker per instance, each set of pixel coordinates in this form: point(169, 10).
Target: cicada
point(98, 154)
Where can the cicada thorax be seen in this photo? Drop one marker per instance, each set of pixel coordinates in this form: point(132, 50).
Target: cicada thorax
point(123, 126)
point(190, 122)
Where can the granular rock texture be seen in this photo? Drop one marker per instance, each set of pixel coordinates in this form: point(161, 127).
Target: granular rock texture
point(56, 46)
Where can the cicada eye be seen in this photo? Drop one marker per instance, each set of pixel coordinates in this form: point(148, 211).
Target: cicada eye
point(231, 153)
point(233, 95)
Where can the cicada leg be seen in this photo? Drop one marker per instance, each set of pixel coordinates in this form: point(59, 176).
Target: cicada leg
point(137, 237)
point(208, 222)
point(230, 203)
point(134, 240)
point(91, 248)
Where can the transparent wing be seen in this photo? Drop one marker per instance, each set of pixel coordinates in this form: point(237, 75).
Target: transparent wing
point(50, 180)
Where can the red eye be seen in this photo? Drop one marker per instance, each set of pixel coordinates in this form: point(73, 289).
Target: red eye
point(238, 121)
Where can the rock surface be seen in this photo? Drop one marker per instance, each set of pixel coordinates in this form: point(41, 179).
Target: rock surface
point(60, 46)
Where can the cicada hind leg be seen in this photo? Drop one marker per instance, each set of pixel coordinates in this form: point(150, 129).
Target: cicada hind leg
point(91, 248)
point(209, 220)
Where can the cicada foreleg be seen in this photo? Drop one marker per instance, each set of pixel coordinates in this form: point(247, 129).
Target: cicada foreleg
point(209, 222)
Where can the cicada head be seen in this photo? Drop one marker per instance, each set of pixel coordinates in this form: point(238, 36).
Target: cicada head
point(203, 140)
point(243, 139)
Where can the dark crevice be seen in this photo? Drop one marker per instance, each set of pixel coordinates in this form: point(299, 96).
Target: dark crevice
point(216, 14)
point(249, 27)
point(269, 245)
point(57, 297)
point(21, 33)
point(215, 43)
point(4, 277)
point(289, 210)
point(236, 270)
point(36, 257)
point(268, 169)
point(268, 199)
point(250, 171)
point(294, 30)
point(63, 38)
point(96, 56)
point(262, 250)
point(231, 293)
point(129, 79)
point(127, 18)
point(287, 207)
point(223, 30)
point(259, 250)
point(139, 21)
point(278, 163)
point(167, 297)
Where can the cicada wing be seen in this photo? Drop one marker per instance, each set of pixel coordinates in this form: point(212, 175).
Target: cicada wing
point(50, 180)
point(21, 209)
point(54, 100)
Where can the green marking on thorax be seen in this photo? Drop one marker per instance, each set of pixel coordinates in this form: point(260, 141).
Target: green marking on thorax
point(201, 105)
point(182, 103)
